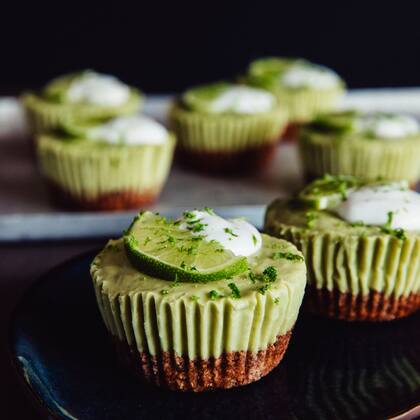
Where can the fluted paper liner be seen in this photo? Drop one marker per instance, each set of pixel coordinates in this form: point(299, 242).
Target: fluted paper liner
point(360, 157)
point(45, 115)
point(87, 170)
point(201, 132)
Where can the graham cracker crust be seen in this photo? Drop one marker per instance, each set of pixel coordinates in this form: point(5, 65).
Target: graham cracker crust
point(230, 163)
point(120, 200)
point(374, 307)
point(291, 133)
point(179, 373)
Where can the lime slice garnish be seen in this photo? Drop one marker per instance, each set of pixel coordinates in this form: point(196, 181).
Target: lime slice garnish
point(328, 191)
point(337, 122)
point(161, 248)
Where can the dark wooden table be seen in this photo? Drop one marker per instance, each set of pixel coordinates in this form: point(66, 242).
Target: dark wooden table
point(20, 266)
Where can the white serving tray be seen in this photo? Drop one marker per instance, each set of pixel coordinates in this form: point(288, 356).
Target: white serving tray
point(26, 213)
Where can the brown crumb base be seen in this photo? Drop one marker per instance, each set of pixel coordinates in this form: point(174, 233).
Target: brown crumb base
point(179, 373)
point(373, 307)
point(120, 200)
point(223, 162)
point(291, 132)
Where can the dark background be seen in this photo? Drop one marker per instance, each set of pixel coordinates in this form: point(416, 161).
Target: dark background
point(166, 46)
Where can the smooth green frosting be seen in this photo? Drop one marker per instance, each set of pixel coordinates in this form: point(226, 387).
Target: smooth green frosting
point(347, 257)
point(159, 315)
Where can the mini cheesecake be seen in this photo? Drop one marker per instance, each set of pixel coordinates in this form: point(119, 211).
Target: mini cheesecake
point(361, 243)
point(117, 164)
point(303, 88)
point(79, 96)
point(371, 146)
point(227, 129)
point(198, 303)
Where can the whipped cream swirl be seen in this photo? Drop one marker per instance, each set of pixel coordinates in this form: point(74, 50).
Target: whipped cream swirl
point(236, 235)
point(98, 89)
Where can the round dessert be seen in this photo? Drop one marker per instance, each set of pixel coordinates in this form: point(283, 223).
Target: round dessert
point(304, 88)
point(225, 128)
point(201, 302)
point(117, 164)
point(361, 243)
point(83, 95)
point(372, 146)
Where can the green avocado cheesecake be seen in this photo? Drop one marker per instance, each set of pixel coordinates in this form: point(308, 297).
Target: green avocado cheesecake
point(368, 145)
point(83, 95)
point(116, 164)
point(361, 242)
point(200, 302)
point(226, 128)
point(303, 88)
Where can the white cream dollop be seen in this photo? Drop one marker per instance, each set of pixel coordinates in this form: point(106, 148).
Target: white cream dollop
point(311, 76)
point(243, 100)
point(236, 235)
point(98, 89)
point(388, 126)
point(130, 130)
point(371, 205)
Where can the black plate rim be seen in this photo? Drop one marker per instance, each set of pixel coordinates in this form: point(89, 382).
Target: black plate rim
point(37, 401)
point(33, 397)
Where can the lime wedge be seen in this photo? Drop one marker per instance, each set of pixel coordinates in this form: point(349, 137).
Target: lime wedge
point(161, 248)
point(328, 191)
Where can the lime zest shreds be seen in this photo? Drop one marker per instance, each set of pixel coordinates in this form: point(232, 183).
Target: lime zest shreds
point(194, 298)
point(164, 292)
point(328, 191)
point(270, 274)
point(287, 256)
point(359, 223)
point(254, 240)
point(387, 228)
point(310, 219)
point(263, 289)
point(230, 232)
point(235, 292)
point(252, 277)
point(276, 300)
point(214, 294)
point(177, 254)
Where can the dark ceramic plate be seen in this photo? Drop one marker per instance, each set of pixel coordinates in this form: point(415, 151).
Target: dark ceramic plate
point(331, 370)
